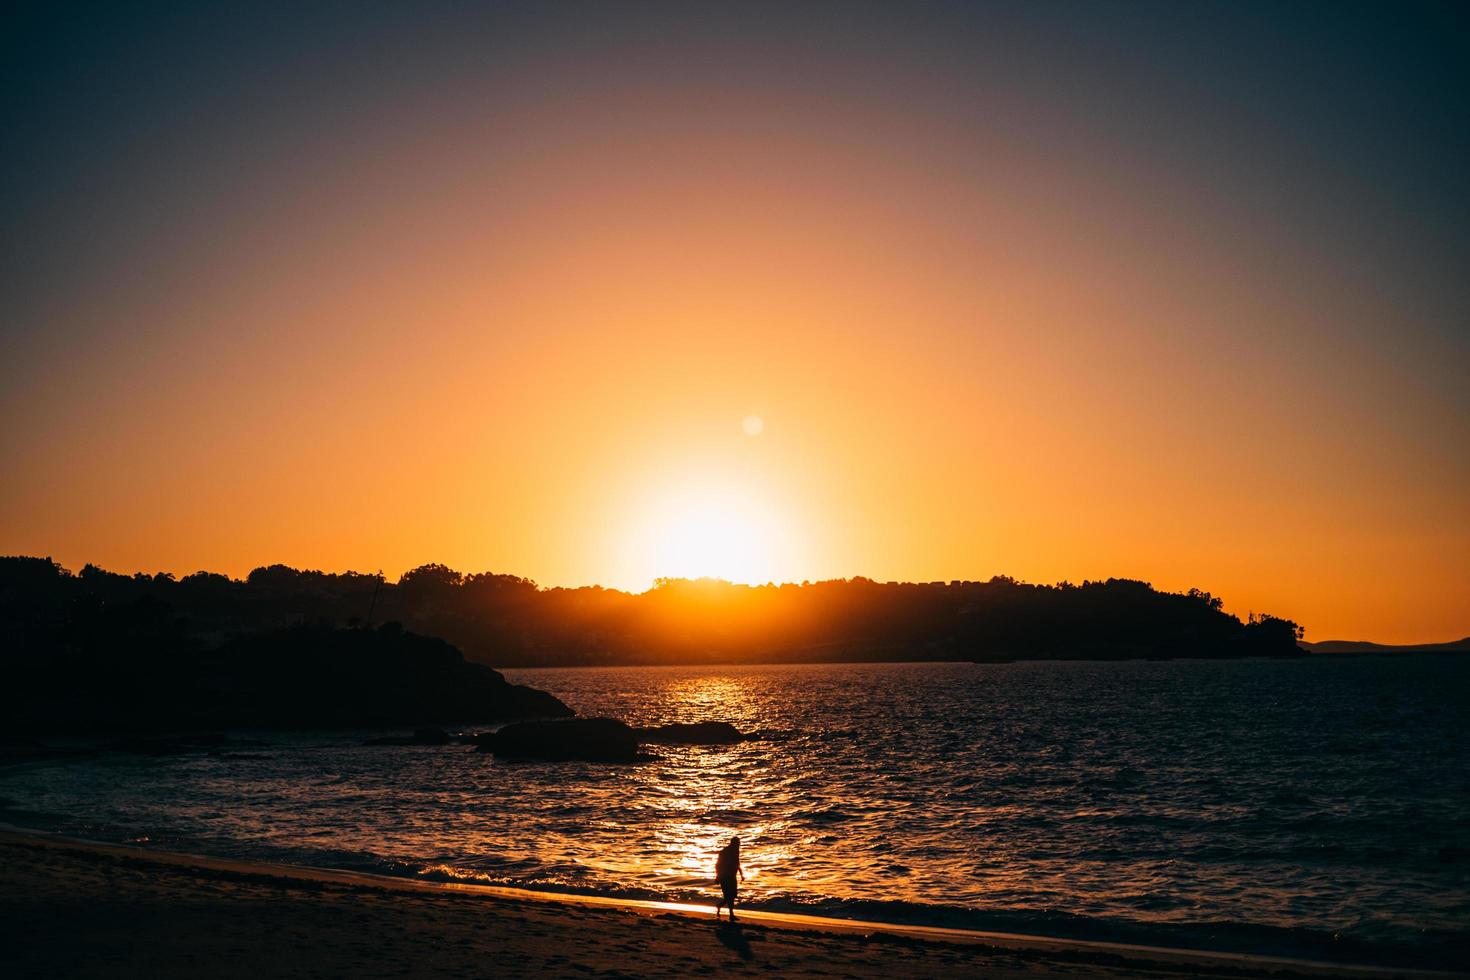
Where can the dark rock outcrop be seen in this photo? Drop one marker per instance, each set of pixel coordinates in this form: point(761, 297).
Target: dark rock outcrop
point(339, 678)
point(692, 733)
point(582, 739)
point(304, 677)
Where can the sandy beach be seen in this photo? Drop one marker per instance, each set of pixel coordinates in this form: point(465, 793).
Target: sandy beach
point(73, 908)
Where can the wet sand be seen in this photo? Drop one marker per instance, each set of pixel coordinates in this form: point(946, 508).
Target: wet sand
point(72, 908)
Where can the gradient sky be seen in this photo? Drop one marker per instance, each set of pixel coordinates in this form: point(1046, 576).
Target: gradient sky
point(1177, 292)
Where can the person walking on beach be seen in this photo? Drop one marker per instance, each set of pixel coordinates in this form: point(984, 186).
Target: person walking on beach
point(727, 866)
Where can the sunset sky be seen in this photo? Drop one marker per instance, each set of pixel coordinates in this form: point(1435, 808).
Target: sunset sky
point(598, 293)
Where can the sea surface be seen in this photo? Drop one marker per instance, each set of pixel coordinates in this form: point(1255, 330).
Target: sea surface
point(1316, 808)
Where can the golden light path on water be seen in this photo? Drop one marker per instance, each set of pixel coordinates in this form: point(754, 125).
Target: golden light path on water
point(662, 826)
point(699, 799)
point(682, 846)
point(693, 844)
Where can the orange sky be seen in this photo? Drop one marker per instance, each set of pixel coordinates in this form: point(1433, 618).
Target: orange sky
point(520, 330)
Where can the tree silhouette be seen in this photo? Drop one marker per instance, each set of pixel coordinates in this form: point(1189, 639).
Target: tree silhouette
point(503, 619)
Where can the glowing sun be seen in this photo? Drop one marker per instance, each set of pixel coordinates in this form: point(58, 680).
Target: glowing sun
point(714, 532)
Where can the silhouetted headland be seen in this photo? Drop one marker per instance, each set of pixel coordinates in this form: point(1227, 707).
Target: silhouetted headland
point(279, 623)
point(79, 661)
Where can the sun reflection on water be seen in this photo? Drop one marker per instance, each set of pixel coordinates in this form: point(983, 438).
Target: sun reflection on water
point(715, 696)
point(720, 800)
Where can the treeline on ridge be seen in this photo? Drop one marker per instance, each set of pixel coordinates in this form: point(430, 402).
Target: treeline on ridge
point(506, 620)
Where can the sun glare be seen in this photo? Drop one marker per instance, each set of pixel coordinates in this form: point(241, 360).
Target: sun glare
point(700, 532)
point(713, 539)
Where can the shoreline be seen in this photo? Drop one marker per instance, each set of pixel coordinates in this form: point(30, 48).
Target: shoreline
point(1034, 955)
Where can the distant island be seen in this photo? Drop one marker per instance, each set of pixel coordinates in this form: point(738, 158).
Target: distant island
point(49, 614)
point(1363, 647)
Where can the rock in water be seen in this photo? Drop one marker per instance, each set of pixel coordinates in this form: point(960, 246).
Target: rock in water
point(692, 733)
point(582, 739)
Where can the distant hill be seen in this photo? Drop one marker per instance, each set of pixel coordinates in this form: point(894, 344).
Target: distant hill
point(1363, 646)
point(48, 613)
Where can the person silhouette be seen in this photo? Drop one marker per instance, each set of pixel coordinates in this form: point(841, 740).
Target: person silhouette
point(727, 865)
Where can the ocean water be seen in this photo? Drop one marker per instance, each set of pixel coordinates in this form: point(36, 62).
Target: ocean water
point(1309, 808)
